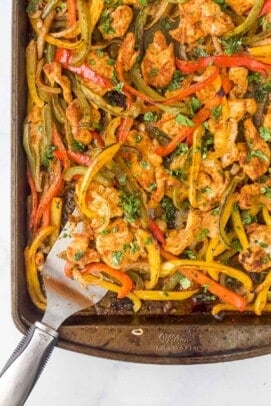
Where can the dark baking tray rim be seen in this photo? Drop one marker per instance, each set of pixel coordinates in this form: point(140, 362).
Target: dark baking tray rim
point(159, 340)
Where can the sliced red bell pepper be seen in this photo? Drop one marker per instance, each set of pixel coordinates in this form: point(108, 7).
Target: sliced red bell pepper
point(183, 93)
point(156, 231)
point(202, 115)
point(119, 276)
point(63, 56)
point(49, 194)
point(266, 8)
point(60, 152)
point(80, 159)
point(220, 291)
point(225, 61)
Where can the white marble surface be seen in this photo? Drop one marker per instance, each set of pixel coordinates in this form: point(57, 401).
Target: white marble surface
point(74, 379)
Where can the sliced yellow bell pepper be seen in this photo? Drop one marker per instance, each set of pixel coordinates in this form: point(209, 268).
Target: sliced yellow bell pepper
point(163, 295)
point(33, 282)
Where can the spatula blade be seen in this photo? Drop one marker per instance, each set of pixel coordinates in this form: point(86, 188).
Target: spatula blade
point(65, 296)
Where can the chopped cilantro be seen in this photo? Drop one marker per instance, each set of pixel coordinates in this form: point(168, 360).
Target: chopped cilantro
point(258, 154)
point(48, 155)
point(118, 88)
point(195, 104)
point(138, 138)
point(202, 234)
point(148, 241)
point(117, 257)
point(231, 45)
point(100, 52)
point(78, 255)
point(152, 187)
point(145, 164)
point(262, 91)
point(97, 126)
point(190, 254)
point(184, 282)
point(215, 211)
point(235, 243)
point(77, 146)
point(266, 191)
point(200, 52)
point(247, 218)
point(179, 174)
point(105, 232)
point(153, 72)
point(183, 120)
point(265, 133)
point(134, 247)
point(206, 189)
point(150, 116)
point(110, 62)
point(216, 112)
point(143, 3)
point(169, 210)
point(176, 81)
point(122, 178)
point(182, 149)
point(106, 22)
point(165, 24)
point(130, 204)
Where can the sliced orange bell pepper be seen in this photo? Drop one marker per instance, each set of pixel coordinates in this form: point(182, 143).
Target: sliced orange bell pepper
point(71, 12)
point(220, 291)
point(119, 276)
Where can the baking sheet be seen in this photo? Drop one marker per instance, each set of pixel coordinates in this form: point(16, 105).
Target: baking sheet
point(140, 338)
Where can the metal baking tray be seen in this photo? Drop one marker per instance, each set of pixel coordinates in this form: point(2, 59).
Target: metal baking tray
point(158, 339)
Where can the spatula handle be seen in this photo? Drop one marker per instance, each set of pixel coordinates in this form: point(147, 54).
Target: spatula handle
point(26, 364)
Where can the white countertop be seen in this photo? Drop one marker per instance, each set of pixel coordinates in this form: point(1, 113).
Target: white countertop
point(73, 379)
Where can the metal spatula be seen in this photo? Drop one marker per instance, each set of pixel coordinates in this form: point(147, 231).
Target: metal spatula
point(64, 298)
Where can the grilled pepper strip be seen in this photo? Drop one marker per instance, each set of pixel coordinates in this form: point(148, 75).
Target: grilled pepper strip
point(157, 232)
point(199, 119)
point(81, 159)
point(49, 194)
point(153, 258)
point(63, 56)
point(239, 228)
point(119, 276)
point(60, 152)
point(220, 291)
point(112, 287)
point(164, 295)
point(249, 21)
point(84, 23)
point(225, 61)
point(31, 66)
point(33, 282)
point(98, 162)
point(55, 218)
